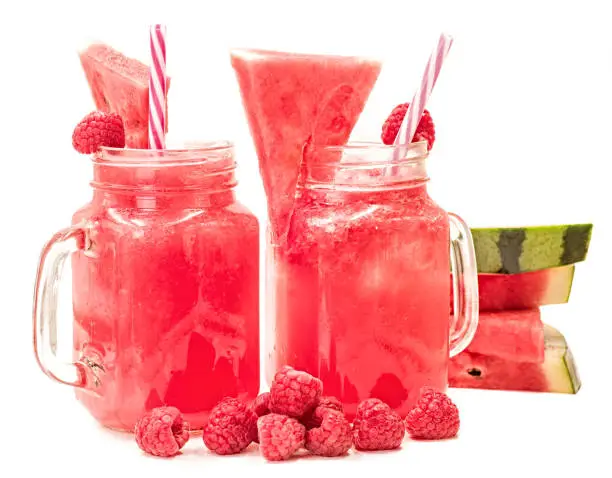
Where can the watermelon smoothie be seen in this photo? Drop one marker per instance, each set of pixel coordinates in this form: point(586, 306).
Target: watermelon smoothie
point(358, 293)
point(165, 286)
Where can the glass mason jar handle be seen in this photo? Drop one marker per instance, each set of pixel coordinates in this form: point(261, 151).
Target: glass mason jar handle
point(464, 320)
point(86, 372)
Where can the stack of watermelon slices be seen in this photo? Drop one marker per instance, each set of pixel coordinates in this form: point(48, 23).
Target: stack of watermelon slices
point(520, 270)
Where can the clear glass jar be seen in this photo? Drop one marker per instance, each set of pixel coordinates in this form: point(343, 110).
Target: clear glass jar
point(358, 292)
point(165, 272)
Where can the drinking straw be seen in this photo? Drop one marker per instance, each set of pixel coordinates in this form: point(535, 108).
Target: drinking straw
point(157, 88)
point(417, 105)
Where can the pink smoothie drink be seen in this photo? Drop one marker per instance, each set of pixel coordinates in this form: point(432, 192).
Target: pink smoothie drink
point(165, 287)
point(167, 294)
point(359, 285)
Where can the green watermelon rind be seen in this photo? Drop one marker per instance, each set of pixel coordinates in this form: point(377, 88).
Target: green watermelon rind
point(513, 250)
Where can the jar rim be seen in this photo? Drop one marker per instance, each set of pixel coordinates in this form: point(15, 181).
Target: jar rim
point(191, 154)
point(378, 153)
point(365, 166)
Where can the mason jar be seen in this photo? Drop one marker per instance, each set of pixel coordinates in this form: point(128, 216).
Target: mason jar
point(358, 290)
point(165, 281)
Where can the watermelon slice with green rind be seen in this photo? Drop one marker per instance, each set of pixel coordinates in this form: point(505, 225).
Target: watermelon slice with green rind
point(292, 98)
point(558, 372)
point(511, 250)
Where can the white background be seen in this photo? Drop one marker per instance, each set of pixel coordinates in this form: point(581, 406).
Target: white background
point(522, 110)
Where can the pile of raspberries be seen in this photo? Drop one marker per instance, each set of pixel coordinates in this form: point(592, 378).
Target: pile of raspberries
point(294, 415)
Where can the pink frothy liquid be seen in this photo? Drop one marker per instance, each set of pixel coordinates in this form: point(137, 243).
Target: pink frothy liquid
point(167, 296)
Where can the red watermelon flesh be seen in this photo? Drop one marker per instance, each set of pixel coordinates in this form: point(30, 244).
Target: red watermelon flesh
point(524, 291)
point(290, 98)
point(557, 373)
point(516, 335)
point(472, 370)
point(120, 85)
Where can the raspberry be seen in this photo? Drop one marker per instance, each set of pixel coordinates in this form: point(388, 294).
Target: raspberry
point(434, 416)
point(312, 418)
point(333, 437)
point(279, 436)
point(260, 404)
point(229, 427)
point(377, 426)
point(162, 432)
point(368, 404)
point(260, 408)
point(98, 129)
point(293, 393)
point(425, 130)
point(330, 402)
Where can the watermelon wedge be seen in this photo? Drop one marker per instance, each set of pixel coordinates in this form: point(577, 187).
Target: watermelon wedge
point(511, 250)
point(516, 335)
point(119, 85)
point(556, 374)
point(524, 291)
point(291, 99)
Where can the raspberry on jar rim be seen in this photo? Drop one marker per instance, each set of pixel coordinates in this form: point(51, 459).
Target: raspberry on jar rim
point(98, 129)
point(425, 130)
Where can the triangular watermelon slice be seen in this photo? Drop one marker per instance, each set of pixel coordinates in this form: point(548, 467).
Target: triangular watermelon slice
point(287, 96)
point(120, 85)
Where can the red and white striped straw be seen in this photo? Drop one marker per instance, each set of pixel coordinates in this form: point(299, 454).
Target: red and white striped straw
point(157, 88)
point(417, 105)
